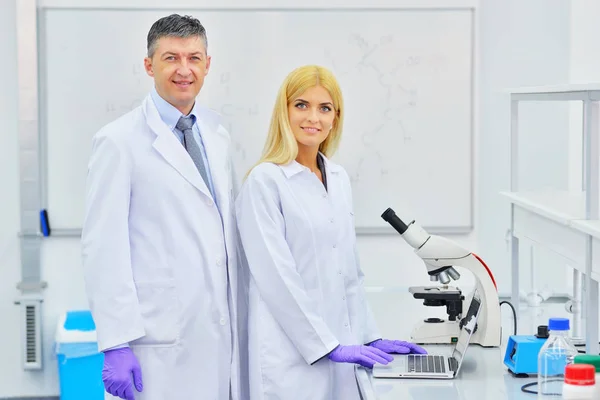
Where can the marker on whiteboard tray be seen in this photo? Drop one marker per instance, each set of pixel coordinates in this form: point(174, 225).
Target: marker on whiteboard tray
point(44, 223)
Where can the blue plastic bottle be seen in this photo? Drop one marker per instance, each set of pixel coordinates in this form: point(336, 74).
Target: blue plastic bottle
point(554, 356)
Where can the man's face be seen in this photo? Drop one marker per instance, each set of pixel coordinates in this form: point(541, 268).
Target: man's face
point(178, 67)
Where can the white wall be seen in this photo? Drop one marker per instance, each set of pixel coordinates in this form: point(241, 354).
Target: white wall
point(585, 47)
point(61, 260)
point(12, 381)
point(523, 43)
point(507, 29)
point(584, 67)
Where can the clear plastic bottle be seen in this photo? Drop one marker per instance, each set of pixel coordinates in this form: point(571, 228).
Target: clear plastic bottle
point(553, 358)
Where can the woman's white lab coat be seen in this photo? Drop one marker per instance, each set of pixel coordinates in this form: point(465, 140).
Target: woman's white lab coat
point(306, 288)
point(158, 259)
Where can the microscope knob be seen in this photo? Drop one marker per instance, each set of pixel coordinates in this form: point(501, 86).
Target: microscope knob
point(463, 322)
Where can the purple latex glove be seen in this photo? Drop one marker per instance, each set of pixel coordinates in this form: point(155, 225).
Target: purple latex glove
point(359, 354)
point(121, 372)
point(397, 346)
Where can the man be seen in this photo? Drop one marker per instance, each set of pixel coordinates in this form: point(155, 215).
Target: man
point(159, 239)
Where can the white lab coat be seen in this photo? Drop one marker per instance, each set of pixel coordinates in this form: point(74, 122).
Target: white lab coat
point(157, 257)
point(306, 292)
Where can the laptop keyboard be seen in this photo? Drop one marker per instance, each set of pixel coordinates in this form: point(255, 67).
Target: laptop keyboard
point(426, 363)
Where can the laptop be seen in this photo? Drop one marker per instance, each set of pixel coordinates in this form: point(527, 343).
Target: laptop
point(431, 366)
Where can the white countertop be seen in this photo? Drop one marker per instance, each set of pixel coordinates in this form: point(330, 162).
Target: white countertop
point(563, 88)
point(559, 206)
point(588, 226)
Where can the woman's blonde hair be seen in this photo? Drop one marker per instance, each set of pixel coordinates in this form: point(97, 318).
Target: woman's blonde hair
point(281, 146)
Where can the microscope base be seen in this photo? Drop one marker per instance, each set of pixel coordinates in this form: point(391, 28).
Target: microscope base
point(445, 332)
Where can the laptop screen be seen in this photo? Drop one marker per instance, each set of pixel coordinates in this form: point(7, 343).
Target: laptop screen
point(467, 330)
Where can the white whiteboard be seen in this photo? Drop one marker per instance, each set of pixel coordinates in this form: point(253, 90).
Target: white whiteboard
point(406, 76)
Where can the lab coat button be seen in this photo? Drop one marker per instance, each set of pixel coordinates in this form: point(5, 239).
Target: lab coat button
point(222, 321)
point(331, 220)
point(209, 202)
point(219, 262)
point(324, 195)
point(344, 298)
point(334, 246)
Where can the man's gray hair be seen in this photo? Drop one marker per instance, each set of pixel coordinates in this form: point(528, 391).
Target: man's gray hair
point(175, 25)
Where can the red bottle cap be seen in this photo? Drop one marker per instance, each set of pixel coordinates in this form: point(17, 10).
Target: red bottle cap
point(580, 374)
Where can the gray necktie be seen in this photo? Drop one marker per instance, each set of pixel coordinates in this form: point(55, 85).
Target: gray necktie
point(185, 125)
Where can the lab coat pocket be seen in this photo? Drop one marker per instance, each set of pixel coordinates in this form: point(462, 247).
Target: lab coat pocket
point(160, 313)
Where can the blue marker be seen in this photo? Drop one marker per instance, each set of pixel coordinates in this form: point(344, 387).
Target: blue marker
point(44, 223)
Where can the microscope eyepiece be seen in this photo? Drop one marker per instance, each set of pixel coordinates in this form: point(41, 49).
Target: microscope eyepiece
point(390, 217)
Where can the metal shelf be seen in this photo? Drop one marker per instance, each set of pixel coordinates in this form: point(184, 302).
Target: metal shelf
point(572, 216)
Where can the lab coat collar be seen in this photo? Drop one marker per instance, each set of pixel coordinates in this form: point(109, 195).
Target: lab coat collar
point(294, 167)
point(168, 113)
point(171, 149)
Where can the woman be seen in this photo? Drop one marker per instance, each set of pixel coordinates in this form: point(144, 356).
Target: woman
point(309, 322)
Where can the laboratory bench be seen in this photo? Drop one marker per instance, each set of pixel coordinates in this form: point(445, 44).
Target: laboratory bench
point(483, 374)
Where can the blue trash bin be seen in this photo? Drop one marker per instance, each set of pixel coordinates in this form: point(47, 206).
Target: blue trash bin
point(79, 361)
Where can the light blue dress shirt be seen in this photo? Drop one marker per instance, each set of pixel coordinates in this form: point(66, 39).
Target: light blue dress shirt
point(170, 116)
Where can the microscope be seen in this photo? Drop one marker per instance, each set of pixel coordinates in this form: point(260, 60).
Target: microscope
point(441, 256)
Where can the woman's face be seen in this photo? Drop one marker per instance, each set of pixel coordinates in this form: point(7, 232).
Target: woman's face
point(311, 116)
